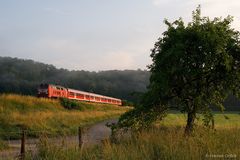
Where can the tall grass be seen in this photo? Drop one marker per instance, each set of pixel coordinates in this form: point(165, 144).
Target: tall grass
point(156, 143)
point(41, 114)
point(3, 145)
point(165, 140)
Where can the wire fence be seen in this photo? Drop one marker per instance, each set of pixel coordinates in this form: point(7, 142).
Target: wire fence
point(24, 143)
point(23, 140)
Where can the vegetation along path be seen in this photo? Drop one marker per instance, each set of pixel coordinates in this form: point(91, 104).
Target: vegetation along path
point(54, 118)
point(91, 136)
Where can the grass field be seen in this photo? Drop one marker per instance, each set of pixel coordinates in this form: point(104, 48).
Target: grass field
point(40, 114)
point(222, 120)
point(165, 141)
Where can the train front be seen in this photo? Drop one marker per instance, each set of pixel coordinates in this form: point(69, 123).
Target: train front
point(43, 90)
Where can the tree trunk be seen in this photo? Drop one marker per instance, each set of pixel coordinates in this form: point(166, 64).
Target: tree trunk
point(190, 123)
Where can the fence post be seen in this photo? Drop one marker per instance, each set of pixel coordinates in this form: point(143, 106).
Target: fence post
point(80, 141)
point(23, 140)
point(213, 124)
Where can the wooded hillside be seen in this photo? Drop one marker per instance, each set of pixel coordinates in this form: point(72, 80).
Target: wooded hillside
point(23, 77)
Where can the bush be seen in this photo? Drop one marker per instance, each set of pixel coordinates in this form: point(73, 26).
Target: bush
point(69, 104)
point(78, 105)
point(3, 145)
point(127, 103)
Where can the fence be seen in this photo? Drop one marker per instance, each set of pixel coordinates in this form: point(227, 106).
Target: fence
point(27, 144)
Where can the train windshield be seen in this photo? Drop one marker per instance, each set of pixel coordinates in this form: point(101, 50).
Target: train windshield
point(43, 86)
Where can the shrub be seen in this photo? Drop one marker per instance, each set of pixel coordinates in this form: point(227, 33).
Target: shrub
point(3, 145)
point(69, 104)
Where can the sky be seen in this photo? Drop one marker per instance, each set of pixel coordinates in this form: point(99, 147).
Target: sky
point(95, 35)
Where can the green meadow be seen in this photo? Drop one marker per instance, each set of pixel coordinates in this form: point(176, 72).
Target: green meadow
point(165, 140)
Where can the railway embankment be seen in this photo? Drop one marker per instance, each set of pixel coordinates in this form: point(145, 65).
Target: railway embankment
point(49, 116)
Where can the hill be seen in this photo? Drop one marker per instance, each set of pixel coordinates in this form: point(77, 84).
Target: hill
point(48, 115)
point(23, 77)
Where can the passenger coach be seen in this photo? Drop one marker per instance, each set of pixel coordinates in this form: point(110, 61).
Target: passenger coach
point(55, 91)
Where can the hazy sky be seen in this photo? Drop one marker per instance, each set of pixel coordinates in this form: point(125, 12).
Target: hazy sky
point(95, 34)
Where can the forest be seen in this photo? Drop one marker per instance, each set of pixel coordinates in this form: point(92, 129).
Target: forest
point(23, 77)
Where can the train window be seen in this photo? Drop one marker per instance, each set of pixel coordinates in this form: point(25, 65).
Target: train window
point(80, 95)
point(71, 93)
point(92, 97)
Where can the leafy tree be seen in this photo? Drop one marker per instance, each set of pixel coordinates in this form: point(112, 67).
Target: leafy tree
point(195, 66)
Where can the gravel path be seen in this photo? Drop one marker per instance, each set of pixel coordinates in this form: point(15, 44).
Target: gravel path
point(93, 135)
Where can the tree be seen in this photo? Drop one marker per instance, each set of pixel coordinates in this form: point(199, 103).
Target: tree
point(195, 66)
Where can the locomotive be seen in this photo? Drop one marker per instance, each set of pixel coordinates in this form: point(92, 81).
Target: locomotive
point(56, 91)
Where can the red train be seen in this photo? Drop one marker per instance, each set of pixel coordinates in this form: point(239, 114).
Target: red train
point(55, 91)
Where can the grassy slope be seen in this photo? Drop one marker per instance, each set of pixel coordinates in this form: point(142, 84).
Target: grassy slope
point(165, 142)
point(39, 114)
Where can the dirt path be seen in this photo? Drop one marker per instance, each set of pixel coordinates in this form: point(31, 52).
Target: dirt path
point(93, 135)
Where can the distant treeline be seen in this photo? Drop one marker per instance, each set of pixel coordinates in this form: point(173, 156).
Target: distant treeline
point(23, 77)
